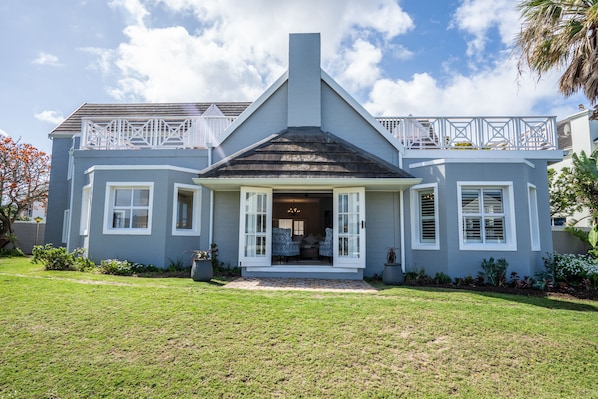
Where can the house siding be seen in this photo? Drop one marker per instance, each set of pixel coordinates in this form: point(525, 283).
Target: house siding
point(226, 226)
point(160, 248)
point(59, 191)
point(457, 263)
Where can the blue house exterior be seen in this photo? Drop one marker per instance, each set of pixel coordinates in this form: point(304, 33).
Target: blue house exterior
point(152, 182)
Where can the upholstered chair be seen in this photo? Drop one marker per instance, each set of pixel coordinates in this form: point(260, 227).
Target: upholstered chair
point(283, 244)
point(326, 245)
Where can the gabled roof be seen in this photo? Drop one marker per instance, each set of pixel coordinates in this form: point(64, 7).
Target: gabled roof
point(304, 153)
point(72, 124)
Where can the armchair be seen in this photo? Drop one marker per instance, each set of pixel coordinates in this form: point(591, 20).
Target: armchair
point(283, 244)
point(326, 245)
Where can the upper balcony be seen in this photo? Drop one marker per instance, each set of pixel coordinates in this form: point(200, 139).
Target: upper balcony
point(474, 133)
point(415, 133)
point(120, 133)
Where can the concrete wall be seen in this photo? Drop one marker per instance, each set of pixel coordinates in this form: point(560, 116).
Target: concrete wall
point(29, 234)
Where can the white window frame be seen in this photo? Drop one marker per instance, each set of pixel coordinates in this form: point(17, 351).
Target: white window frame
point(416, 242)
point(508, 211)
point(66, 226)
point(85, 210)
point(196, 218)
point(534, 221)
point(108, 208)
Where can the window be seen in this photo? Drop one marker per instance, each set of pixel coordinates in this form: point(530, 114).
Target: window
point(128, 208)
point(66, 223)
point(297, 225)
point(485, 217)
point(425, 216)
point(534, 225)
point(186, 210)
point(85, 210)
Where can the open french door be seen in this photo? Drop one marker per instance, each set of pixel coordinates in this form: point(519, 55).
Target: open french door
point(348, 247)
point(255, 227)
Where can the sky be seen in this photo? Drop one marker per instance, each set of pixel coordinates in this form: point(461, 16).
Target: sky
point(397, 58)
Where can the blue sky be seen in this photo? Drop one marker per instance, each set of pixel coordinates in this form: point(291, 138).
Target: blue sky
point(432, 58)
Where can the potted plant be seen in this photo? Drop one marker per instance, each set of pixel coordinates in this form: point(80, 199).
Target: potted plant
point(393, 272)
point(201, 266)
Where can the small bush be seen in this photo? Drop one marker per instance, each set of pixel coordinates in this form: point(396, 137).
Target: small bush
point(417, 277)
point(572, 269)
point(10, 253)
point(494, 272)
point(442, 278)
point(125, 268)
point(60, 259)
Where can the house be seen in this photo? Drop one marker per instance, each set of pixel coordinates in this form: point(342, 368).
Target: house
point(302, 182)
point(576, 133)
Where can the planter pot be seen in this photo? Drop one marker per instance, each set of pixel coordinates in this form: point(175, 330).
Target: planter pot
point(393, 274)
point(202, 270)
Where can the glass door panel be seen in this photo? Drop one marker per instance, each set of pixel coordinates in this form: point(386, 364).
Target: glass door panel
point(255, 231)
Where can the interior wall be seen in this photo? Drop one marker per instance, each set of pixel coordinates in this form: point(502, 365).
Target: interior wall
point(315, 212)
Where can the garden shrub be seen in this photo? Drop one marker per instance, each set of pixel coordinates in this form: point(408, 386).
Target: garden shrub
point(60, 259)
point(442, 278)
point(125, 268)
point(9, 253)
point(494, 272)
point(572, 268)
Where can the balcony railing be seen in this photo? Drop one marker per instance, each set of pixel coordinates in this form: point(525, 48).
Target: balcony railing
point(152, 132)
point(415, 133)
point(474, 133)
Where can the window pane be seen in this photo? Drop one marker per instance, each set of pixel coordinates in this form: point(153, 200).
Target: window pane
point(470, 200)
point(184, 218)
point(472, 229)
point(493, 201)
point(494, 229)
point(122, 196)
point(141, 197)
point(140, 217)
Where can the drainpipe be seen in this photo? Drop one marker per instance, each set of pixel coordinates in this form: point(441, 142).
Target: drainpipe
point(211, 228)
point(402, 227)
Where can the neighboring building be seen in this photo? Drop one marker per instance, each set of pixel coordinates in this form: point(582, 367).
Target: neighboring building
point(576, 133)
point(151, 182)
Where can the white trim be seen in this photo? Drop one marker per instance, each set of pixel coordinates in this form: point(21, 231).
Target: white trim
point(381, 184)
point(442, 161)
point(503, 155)
point(266, 258)
point(141, 167)
point(416, 218)
point(508, 209)
point(534, 221)
point(402, 228)
point(66, 226)
point(85, 210)
point(107, 223)
point(312, 269)
point(196, 211)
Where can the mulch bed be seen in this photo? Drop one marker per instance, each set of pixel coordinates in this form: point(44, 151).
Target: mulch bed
point(591, 294)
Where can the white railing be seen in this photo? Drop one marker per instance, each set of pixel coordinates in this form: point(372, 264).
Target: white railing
point(474, 133)
point(152, 132)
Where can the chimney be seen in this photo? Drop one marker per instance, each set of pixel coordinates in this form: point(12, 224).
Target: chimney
point(304, 99)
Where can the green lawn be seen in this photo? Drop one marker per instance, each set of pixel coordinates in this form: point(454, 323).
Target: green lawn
point(80, 335)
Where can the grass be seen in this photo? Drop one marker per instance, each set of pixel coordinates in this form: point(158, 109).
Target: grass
point(80, 335)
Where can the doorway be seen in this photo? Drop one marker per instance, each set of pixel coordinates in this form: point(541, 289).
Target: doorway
point(306, 215)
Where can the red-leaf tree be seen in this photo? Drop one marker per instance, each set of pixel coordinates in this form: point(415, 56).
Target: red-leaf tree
point(24, 177)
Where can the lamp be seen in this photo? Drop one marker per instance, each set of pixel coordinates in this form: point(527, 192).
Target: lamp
point(293, 210)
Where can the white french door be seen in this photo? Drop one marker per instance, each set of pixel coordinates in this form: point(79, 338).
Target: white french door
point(255, 227)
point(348, 246)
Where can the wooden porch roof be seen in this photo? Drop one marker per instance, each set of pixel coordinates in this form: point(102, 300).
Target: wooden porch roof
point(301, 153)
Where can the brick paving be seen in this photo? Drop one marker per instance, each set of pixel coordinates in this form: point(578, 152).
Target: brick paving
point(301, 284)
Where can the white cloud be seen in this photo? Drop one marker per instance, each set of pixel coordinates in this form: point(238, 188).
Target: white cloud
point(3, 133)
point(479, 17)
point(239, 47)
point(47, 59)
point(493, 91)
point(53, 117)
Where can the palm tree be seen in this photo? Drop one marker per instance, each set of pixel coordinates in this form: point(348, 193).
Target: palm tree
point(561, 33)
